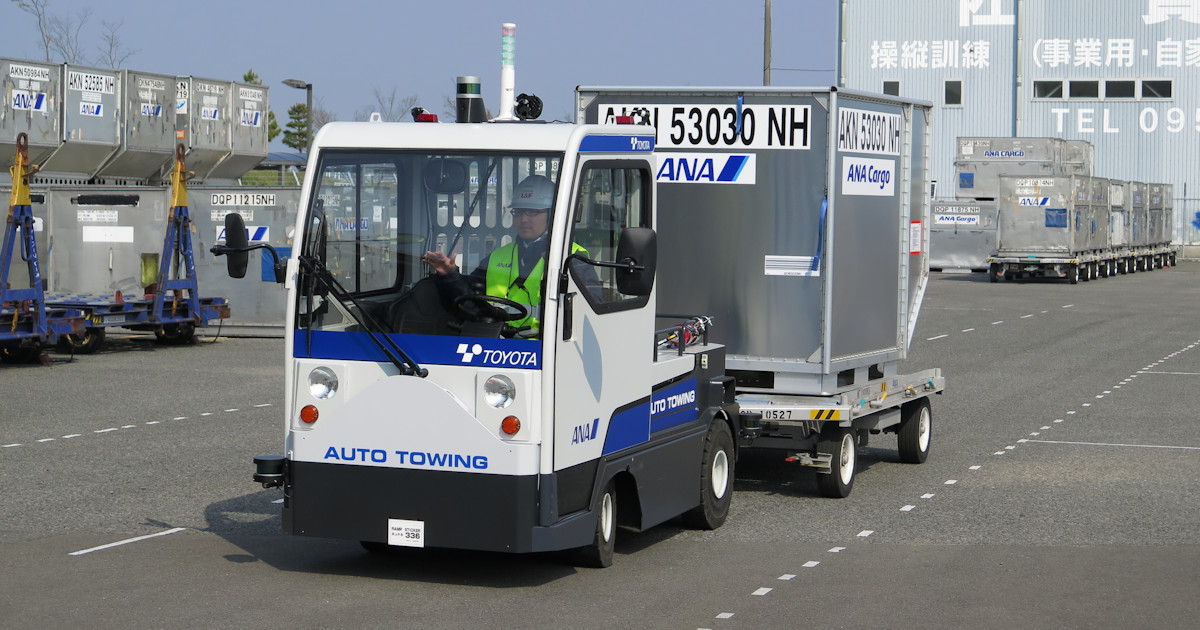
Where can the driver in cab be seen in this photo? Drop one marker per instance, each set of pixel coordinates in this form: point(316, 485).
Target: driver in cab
point(514, 271)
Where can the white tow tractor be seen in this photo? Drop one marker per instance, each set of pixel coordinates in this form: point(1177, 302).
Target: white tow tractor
point(419, 419)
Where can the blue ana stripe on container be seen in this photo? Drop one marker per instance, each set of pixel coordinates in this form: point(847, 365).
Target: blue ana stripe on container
point(733, 167)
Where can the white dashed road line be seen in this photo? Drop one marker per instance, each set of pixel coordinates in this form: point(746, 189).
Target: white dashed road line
point(126, 541)
point(1184, 448)
point(127, 426)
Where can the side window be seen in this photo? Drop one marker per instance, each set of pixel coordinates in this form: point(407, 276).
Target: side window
point(611, 198)
point(359, 202)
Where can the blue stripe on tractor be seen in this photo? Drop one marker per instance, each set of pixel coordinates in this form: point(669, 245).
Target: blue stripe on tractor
point(617, 144)
point(628, 428)
point(424, 349)
point(668, 407)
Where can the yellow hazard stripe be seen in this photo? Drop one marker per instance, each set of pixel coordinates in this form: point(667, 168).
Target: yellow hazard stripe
point(825, 414)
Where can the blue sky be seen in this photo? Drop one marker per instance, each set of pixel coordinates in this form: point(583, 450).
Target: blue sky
point(347, 49)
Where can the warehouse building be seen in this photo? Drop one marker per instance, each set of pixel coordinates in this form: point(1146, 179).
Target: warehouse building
point(1121, 74)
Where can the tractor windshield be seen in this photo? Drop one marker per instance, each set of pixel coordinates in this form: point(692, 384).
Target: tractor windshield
point(382, 228)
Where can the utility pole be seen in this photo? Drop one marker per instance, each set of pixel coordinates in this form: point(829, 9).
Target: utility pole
point(767, 43)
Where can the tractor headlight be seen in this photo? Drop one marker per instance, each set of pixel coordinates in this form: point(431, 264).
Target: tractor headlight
point(322, 383)
point(499, 391)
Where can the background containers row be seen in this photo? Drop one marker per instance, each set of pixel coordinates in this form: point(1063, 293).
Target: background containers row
point(1075, 215)
point(125, 124)
point(99, 239)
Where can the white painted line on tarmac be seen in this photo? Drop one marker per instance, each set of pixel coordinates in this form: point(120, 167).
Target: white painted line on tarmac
point(277, 501)
point(937, 337)
point(908, 508)
point(927, 495)
point(810, 564)
point(950, 482)
point(866, 532)
point(725, 616)
point(968, 329)
point(46, 440)
point(999, 452)
point(230, 410)
point(1027, 316)
point(9, 445)
point(263, 405)
point(786, 577)
point(976, 467)
point(128, 426)
point(73, 435)
point(1072, 412)
point(153, 422)
point(1035, 434)
point(180, 418)
point(1183, 448)
point(126, 541)
point(1068, 305)
point(1009, 447)
point(837, 550)
point(999, 322)
point(207, 413)
point(1177, 373)
point(762, 591)
point(1058, 420)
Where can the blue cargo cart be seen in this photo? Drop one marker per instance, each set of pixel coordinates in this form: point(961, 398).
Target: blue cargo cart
point(172, 309)
point(26, 320)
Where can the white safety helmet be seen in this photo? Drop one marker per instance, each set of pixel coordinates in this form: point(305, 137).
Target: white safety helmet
point(534, 193)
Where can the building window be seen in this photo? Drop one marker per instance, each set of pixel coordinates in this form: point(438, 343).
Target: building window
point(954, 92)
point(1156, 89)
point(891, 88)
point(1085, 89)
point(1120, 89)
point(1047, 89)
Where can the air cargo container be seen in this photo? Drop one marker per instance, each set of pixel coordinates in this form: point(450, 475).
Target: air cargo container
point(1046, 229)
point(962, 235)
point(981, 161)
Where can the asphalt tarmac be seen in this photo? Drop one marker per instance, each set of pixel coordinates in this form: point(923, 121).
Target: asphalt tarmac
point(1062, 491)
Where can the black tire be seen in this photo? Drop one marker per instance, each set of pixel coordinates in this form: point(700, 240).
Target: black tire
point(1009, 276)
point(839, 443)
point(87, 343)
point(1073, 274)
point(599, 554)
point(716, 479)
point(1103, 267)
point(176, 334)
point(916, 431)
point(994, 273)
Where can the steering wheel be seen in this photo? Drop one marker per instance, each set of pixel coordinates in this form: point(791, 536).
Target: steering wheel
point(490, 308)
